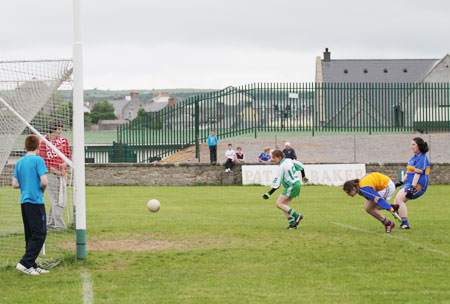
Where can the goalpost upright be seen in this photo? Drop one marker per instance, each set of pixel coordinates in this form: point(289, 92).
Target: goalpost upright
point(78, 134)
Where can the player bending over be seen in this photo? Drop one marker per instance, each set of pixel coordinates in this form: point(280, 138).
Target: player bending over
point(377, 188)
point(287, 176)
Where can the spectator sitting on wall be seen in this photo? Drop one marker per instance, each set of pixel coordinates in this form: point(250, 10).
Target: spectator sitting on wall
point(264, 156)
point(231, 157)
point(240, 158)
point(289, 152)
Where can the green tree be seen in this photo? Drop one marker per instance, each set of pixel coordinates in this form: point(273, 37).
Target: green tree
point(145, 120)
point(87, 119)
point(141, 113)
point(102, 111)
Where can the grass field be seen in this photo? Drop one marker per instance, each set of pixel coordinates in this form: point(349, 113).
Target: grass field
point(227, 245)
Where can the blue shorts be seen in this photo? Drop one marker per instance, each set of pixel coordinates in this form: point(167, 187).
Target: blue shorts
point(420, 190)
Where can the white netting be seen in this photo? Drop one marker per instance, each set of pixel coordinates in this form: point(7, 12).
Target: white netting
point(41, 93)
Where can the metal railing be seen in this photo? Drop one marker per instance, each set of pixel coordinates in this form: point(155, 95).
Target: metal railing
point(279, 107)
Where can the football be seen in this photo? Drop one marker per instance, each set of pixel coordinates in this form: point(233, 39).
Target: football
point(153, 205)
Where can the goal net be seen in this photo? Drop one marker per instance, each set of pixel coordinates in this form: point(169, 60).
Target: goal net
point(36, 98)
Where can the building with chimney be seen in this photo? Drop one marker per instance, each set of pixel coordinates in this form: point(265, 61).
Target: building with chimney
point(354, 101)
point(381, 70)
point(159, 102)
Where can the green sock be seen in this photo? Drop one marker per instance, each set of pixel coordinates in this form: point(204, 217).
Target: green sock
point(291, 221)
point(293, 213)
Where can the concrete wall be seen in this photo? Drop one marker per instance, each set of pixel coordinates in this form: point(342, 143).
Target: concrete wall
point(160, 175)
point(199, 174)
point(206, 174)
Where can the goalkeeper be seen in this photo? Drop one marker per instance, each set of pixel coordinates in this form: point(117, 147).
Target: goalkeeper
point(57, 172)
point(287, 176)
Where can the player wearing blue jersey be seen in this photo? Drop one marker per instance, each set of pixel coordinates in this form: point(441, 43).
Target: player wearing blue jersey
point(287, 176)
point(30, 176)
point(377, 188)
point(415, 182)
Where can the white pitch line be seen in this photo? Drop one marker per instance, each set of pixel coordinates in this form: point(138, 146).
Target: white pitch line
point(88, 293)
point(394, 237)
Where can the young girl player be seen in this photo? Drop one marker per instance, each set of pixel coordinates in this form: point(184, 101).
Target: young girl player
point(287, 176)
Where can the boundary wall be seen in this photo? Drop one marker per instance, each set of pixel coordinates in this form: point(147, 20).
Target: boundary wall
point(205, 174)
point(125, 174)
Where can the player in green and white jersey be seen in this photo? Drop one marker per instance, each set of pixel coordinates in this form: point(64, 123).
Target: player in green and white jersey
point(287, 176)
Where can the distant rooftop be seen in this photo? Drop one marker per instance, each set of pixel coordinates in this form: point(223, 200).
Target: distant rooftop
point(374, 70)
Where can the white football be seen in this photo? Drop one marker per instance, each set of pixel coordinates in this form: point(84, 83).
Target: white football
point(153, 205)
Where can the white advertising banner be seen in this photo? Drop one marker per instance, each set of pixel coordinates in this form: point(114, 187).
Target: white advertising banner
point(332, 175)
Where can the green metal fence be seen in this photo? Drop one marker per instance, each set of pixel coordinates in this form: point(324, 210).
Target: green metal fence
point(274, 107)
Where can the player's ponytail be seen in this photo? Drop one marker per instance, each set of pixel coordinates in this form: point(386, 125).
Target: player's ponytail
point(350, 184)
point(423, 146)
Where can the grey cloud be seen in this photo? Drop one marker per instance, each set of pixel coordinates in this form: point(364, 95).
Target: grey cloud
point(115, 32)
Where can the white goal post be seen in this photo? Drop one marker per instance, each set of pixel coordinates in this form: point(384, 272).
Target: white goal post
point(78, 126)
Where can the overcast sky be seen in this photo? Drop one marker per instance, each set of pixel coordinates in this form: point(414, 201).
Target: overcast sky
point(146, 44)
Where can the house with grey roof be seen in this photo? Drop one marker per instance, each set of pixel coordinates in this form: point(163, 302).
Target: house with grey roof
point(131, 108)
point(128, 107)
point(159, 102)
point(118, 105)
point(382, 92)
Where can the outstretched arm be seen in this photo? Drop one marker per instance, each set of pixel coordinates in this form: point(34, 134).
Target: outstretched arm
point(276, 183)
point(371, 194)
point(267, 194)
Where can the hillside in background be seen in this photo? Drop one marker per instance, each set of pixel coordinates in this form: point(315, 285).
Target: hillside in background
point(100, 95)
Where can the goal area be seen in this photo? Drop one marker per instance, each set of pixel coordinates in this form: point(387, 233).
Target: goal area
point(35, 98)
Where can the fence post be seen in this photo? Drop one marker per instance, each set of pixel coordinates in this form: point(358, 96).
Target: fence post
point(197, 127)
point(429, 146)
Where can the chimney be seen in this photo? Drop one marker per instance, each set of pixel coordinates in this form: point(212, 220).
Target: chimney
point(326, 56)
point(172, 102)
point(133, 94)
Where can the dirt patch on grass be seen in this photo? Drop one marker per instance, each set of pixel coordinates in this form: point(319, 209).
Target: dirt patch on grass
point(128, 245)
point(136, 243)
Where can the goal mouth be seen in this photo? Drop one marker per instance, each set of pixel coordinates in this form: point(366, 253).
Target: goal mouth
point(33, 93)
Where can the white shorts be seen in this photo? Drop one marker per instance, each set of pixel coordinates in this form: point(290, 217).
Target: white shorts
point(388, 192)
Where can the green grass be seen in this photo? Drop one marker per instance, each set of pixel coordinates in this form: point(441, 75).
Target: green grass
point(227, 245)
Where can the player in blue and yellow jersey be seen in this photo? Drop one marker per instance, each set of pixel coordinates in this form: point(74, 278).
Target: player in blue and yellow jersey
point(415, 182)
point(377, 188)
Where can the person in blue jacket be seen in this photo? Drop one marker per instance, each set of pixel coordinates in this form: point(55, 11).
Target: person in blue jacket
point(212, 144)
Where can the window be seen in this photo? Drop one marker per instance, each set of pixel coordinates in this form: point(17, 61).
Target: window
point(129, 114)
point(405, 70)
point(385, 70)
point(365, 71)
point(345, 71)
